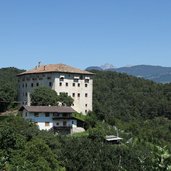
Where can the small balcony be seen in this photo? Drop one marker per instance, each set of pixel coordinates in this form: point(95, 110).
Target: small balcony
point(61, 116)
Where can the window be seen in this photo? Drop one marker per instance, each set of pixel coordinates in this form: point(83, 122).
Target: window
point(36, 114)
point(56, 114)
point(23, 85)
point(78, 94)
point(76, 80)
point(78, 84)
point(46, 123)
point(72, 122)
point(26, 114)
point(47, 114)
point(31, 84)
point(85, 105)
point(73, 94)
point(50, 84)
point(86, 85)
point(73, 84)
point(26, 84)
point(61, 79)
point(66, 84)
point(64, 123)
point(86, 95)
point(86, 80)
point(64, 115)
point(26, 94)
point(85, 111)
point(57, 123)
point(48, 78)
point(60, 84)
point(37, 84)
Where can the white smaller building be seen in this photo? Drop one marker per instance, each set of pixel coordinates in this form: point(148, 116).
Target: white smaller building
point(57, 118)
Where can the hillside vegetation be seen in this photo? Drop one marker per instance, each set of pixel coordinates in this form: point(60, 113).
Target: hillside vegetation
point(8, 87)
point(140, 111)
point(125, 97)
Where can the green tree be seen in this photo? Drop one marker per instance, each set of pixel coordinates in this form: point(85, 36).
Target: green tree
point(23, 147)
point(65, 99)
point(8, 87)
point(44, 96)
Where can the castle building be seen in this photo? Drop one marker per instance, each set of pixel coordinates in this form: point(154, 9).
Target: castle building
point(62, 78)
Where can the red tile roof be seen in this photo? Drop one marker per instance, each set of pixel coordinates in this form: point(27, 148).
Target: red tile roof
point(55, 68)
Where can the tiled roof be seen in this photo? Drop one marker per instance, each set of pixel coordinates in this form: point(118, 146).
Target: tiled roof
point(50, 109)
point(55, 68)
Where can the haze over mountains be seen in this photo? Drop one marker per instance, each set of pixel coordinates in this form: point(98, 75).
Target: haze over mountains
point(155, 73)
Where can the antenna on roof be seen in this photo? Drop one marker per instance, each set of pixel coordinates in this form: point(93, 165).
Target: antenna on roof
point(39, 63)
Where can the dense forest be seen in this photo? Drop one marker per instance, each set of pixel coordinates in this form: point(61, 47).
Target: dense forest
point(125, 97)
point(8, 87)
point(140, 110)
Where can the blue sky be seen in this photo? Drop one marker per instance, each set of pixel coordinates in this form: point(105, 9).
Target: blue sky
point(83, 33)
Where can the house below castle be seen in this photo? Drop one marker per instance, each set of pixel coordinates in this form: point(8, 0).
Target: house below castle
point(59, 119)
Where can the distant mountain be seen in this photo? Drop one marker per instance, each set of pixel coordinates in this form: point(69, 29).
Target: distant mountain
point(156, 73)
point(107, 66)
point(94, 68)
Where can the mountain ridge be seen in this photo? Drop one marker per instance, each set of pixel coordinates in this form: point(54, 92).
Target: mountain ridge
point(158, 74)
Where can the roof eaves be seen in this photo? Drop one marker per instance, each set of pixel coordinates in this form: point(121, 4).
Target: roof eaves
point(41, 72)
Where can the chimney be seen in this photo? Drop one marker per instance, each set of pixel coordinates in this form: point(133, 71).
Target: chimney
point(39, 64)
